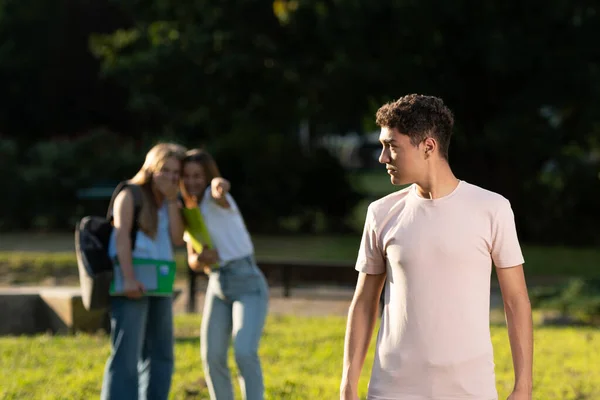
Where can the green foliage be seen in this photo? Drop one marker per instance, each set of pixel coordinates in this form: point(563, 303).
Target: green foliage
point(578, 297)
point(273, 180)
point(179, 59)
point(334, 63)
point(47, 74)
point(9, 157)
point(276, 180)
point(51, 172)
point(301, 356)
point(521, 78)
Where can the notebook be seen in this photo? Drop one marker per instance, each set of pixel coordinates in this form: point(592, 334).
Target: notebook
point(157, 276)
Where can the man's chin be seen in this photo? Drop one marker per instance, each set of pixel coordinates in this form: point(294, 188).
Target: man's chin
point(396, 181)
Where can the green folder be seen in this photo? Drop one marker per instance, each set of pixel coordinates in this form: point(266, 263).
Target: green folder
point(157, 276)
point(196, 230)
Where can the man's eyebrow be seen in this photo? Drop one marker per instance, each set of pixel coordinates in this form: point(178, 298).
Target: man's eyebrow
point(388, 141)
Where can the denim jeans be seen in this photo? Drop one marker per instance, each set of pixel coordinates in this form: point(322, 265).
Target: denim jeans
point(235, 306)
point(141, 362)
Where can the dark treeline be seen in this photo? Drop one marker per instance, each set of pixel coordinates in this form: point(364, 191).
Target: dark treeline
point(87, 86)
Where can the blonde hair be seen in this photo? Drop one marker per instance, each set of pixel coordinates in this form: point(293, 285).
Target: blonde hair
point(155, 159)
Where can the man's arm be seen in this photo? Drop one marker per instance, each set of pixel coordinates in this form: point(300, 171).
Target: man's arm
point(362, 317)
point(520, 328)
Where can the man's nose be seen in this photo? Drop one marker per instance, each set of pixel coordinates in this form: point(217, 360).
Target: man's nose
point(384, 157)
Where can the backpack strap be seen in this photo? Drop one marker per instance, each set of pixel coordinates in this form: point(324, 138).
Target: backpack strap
point(137, 206)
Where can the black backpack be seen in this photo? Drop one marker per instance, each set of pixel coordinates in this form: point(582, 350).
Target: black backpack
point(92, 235)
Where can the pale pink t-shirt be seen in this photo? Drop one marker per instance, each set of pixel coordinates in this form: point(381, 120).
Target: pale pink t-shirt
point(434, 340)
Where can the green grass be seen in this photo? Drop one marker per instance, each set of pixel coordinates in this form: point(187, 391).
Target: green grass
point(26, 265)
point(301, 359)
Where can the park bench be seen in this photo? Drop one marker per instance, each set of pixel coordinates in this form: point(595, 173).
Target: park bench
point(285, 272)
point(99, 191)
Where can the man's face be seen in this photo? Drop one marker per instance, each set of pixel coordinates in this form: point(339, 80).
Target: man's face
point(404, 161)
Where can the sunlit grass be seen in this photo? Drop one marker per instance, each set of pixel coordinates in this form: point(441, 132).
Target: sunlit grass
point(301, 358)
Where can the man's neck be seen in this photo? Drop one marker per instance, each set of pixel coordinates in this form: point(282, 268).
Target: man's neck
point(439, 182)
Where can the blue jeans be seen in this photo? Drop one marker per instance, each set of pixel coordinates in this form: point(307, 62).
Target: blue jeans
point(235, 306)
point(141, 362)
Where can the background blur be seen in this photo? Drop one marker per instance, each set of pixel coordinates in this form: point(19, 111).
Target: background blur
point(284, 94)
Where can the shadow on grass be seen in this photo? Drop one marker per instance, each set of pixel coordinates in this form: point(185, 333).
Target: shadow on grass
point(194, 390)
point(187, 340)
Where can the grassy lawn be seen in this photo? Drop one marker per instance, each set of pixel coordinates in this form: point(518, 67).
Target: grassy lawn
point(301, 359)
point(23, 260)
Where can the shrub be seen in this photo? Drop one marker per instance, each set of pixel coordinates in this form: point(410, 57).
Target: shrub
point(579, 298)
point(275, 182)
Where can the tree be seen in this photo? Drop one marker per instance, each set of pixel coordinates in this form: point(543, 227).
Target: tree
point(522, 78)
point(48, 76)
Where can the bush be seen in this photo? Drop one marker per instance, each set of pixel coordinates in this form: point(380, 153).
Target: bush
point(273, 181)
point(44, 179)
point(9, 157)
point(280, 188)
point(579, 298)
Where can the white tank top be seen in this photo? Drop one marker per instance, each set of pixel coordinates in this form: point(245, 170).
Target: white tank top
point(227, 229)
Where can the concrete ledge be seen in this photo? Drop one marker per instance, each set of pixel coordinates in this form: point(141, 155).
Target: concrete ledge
point(66, 313)
point(22, 312)
point(58, 310)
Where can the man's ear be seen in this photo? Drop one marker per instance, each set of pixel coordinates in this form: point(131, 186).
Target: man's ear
point(429, 146)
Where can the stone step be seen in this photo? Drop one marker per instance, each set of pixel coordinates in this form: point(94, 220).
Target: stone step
point(58, 310)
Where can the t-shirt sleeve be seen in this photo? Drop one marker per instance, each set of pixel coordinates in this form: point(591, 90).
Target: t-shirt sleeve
point(371, 259)
point(506, 250)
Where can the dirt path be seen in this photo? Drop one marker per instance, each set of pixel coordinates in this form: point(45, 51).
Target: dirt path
point(317, 301)
point(309, 301)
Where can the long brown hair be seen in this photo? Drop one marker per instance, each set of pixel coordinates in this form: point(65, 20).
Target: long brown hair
point(155, 159)
point(206, 161)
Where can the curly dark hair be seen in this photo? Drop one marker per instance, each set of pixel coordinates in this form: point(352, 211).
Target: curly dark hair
point(418, 116)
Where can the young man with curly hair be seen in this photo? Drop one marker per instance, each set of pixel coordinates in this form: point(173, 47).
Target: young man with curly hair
point(432, 245)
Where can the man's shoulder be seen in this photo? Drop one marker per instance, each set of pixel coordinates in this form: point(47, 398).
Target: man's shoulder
point(484, 197)
point(385, 204)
